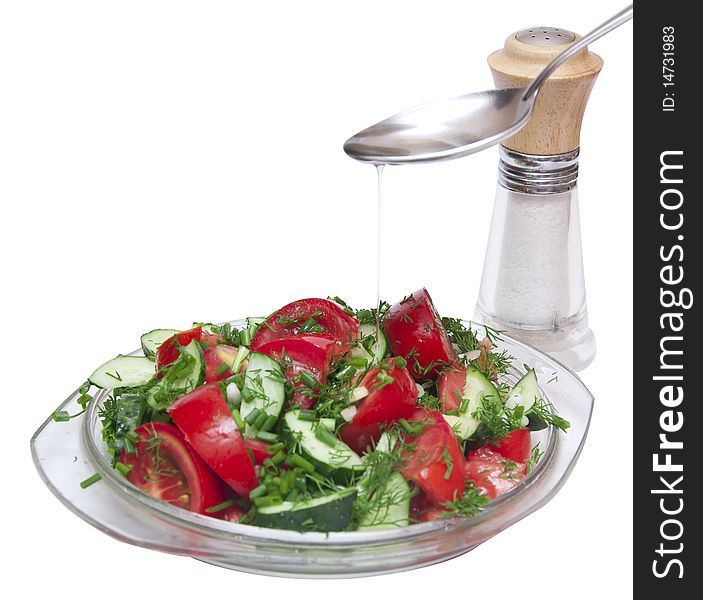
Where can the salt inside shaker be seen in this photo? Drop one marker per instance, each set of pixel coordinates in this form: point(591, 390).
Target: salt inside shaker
point(533, 283)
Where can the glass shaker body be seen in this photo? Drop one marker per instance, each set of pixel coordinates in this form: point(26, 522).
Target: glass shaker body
point(533, 282)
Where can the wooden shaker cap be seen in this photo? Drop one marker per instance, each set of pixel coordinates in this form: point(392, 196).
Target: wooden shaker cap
point(555, 124)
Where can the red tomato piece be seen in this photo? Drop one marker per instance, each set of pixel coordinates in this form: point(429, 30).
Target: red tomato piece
point(316, 314)
point(450, 387)
point(168, 353)
point(259, 450)
point(168, 469)
point(392, 396)
point(232, 514)
point(516, 446)
point(415, 331)
point(218, 362)
point(422, 510)
point(436, 464)
point(359, 438)
point(492, 473)
point(207, 423)
point(209, 339)
point(314, 351)
point(313, 354)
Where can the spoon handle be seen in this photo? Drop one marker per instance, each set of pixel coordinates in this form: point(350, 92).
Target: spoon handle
point(598, 32)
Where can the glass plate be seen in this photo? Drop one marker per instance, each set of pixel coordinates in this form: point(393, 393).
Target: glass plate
point(67, 453)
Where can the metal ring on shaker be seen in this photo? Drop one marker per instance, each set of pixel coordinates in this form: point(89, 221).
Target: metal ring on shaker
point(535, 174)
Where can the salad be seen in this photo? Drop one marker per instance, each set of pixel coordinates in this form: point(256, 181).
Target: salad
point(323, 418)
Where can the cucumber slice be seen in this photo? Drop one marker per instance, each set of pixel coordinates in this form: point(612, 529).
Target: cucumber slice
point(476, 387)
point(370, 349)
point(525, 392)
point(387, 441)
point(183, 376)
point(462, 426)
point(254, 322)
point(331, 512)
point(124, 372)
point(242, 353)
point(264, 386)
point(339, 461)
point(154, 338)
point(390, 507)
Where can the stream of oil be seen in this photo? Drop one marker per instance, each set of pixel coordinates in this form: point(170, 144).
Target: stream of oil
point(379, 250)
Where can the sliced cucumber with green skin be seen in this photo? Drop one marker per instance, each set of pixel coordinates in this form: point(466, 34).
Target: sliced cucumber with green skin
point(254, 322)
point(390, 507)
point(525, 392)
point(154, 338)
point(463, 427)
point(264, 386)
point(476, 387)
point(242, 353)
point(387, 442)
point(331, 512)
point(369, 348)
point(123, 372)
point(181, 377)
point(340, 462)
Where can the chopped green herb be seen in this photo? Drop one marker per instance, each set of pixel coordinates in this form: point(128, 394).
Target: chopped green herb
point(253, 416)
point(325, 436)
point(267, 436)
point(258, 492)
point(123, 469)
point(60, 416)
point(468, 505)
point(241, 423)
point(222, 369)
point(91, 480)
point(382, 380)
point(220, 506)
point(307, 379)
point(448, 462)
point(307, 415)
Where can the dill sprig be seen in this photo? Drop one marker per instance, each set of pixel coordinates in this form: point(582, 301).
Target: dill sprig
point(497, 421)
point(468, 505)
point(541, 410)
point(534, 459)
point(121, 414)
point(464, 337)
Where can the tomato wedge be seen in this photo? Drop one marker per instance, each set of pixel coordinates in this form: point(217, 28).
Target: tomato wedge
point(492, 473)
point(450, 387)
point(259, 450)
point(313, 354)
point(392, 395)
point(168, 469)
point(219, 359)
point(415, 331)
point(207, 424)
point(433, 459)
point(311, 315)
point(168, 351)
point(516, 446)
point(358, 437)
point(422, 509)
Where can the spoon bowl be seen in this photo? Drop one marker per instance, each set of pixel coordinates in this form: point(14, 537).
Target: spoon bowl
point(444, 129)
point(463, 125)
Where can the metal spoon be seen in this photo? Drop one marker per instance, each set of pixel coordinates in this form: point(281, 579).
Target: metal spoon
point(462, 125)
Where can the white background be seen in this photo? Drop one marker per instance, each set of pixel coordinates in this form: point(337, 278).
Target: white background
point(164, 162)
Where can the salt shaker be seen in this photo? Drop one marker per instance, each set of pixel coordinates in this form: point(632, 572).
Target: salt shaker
point(533, 283)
